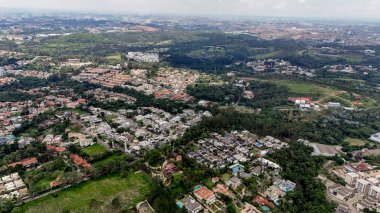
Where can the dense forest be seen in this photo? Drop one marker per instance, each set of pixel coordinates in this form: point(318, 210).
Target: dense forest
point(330, 128)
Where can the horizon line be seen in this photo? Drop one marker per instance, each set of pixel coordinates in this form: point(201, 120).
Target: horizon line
point(202, 15)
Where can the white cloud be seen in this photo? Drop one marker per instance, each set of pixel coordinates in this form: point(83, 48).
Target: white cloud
point(280, 5)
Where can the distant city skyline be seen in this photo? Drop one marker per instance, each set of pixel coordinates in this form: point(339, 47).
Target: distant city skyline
point(332, 9)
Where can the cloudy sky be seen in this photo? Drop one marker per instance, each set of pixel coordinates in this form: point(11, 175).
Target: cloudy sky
point(358, 9)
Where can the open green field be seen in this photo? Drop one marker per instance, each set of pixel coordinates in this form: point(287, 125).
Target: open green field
point(114, 57)
point(114, 157)
point(367, 103)
point(357, 142)
point(353, 58)
point(95, 196)
point(94, 149)
point(302, 89)
point(44, 183)
point(360, 81)
point(335, 98)
point(320, 93)
point(226, 176)
point(164, 43)
point(299, 88)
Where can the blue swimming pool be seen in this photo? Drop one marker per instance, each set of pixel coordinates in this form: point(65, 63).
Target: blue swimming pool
point(259, 144)
point(180, 205)
point(197, 187)
point(265, 208)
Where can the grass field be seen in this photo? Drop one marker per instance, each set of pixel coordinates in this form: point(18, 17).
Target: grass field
point(44, 183)
point(114, 157)
point(303, 89)
point(163, 43)
point(353, 58)
point(114, 57)
point(299, 88)
point(360, 81)
point(356, 142)
point(344, 102)
point(367, 103)
point(94, 196)
point(226, 176)
point(94, 149)
point(318, 92)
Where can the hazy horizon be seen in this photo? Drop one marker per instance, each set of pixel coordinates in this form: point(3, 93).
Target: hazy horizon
point(334, 9)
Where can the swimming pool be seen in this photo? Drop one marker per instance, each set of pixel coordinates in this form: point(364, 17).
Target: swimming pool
point(196, 188)
point(259, 144)
point(265, 208)
point(180, 205)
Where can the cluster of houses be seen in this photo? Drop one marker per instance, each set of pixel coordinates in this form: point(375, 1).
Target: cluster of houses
point(27, 73)
point(176, 80)
point(148, 57)
point(11, 116)
point(103, 76)
point(271, 142)
point(351, 69)
point(167, 84)
point(279, 66)
point(220, 151)
point(75, 63)
point(109, 96)
point(279, 189)
point(7, 80)
point(145, 127)
point(204, 198)
point(237, 147)
point(12, 187)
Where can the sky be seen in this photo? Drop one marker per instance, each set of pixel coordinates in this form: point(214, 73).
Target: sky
point(352, 9)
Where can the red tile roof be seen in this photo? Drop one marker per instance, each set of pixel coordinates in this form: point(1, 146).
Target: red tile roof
point(222, 189)
point(80, 161)
point(162, 93)
point(50, 103)
point(362, 166)
point(178, 158)
point(57, 149)
point(25, 162)
point(204, 193)
point(57, 182)
point(260, 200)
point(81, 100)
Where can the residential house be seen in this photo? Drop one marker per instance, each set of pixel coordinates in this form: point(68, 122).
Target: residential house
point(205, 194)
point(234, 182)
point(191, 205)
point(27, 163)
